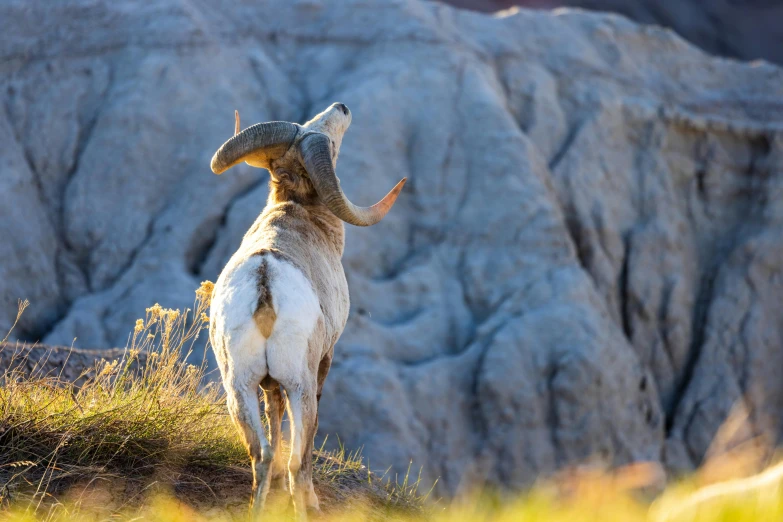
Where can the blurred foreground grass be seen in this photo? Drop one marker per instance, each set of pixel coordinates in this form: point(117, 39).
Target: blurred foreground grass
point(146, 437)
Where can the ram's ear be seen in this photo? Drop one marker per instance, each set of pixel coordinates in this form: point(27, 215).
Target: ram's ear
point(315, 152)
point(257, 145)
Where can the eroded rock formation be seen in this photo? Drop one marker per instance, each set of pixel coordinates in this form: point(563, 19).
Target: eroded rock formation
point(586, 261)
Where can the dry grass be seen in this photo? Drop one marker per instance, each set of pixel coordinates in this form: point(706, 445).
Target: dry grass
point(148, 438)
point(138, 427)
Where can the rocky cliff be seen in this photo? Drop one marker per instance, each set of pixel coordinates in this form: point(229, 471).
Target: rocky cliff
point(586, 261)
point(746, 29)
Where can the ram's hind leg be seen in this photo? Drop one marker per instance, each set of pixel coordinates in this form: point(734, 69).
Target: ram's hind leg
point(245, 411)
point(274, 407)
point(307, 463)
point(302, 407)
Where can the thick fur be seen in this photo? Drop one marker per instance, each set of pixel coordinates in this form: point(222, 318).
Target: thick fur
point(277, 310)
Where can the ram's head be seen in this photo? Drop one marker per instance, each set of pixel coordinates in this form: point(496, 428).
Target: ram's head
point(311, 149)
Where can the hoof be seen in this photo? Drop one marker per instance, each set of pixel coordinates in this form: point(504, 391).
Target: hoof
point(255, 513)
point(278, 483)
point(313, 506)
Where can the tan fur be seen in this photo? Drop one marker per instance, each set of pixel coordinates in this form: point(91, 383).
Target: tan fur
point(295, 227)
point(311, 238)
point(265, 313)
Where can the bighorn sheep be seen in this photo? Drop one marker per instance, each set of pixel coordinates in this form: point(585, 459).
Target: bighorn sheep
point(281, 302)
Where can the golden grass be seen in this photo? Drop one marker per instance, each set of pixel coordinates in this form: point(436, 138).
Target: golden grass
point(146, 437)
point(144, 428)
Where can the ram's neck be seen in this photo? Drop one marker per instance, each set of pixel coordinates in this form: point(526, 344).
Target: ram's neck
point(327, 224)
point(284, 187)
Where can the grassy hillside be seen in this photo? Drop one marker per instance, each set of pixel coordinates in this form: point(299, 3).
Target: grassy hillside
point(145, 437)
point(142, 429)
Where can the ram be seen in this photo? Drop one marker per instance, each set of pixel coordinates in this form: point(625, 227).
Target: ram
point(281, 302)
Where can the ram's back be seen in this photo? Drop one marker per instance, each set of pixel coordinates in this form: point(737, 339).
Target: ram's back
point(288, 246)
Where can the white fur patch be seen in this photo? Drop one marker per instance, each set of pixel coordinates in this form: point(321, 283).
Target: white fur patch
point(298, 310)
point(238, 344)
point(242, 352)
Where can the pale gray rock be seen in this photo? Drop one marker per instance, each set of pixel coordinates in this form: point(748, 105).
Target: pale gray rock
point(585, 263)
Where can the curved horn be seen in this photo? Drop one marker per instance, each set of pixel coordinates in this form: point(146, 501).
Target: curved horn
point(316, 157)
point(256, 145)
